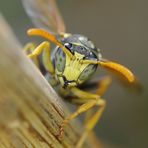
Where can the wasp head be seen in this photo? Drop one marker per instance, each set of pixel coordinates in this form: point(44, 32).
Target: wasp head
point(72, 71)
point(76, 59)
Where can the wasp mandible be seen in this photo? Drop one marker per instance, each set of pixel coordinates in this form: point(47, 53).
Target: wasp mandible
point(72, 63)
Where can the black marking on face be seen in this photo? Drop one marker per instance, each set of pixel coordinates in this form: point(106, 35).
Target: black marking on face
point(67, 82)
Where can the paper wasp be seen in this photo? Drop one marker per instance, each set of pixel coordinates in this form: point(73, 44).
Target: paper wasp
point(72, 63)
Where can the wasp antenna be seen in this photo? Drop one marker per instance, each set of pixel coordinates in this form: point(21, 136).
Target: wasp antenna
point(115, 68)
point(52, 38)
point(118, 69)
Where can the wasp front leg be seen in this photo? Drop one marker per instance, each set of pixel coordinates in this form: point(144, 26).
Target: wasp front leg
point(90, 124)
point(102, 87)
point(88, 101)
point(44, 48)
point(28, 49)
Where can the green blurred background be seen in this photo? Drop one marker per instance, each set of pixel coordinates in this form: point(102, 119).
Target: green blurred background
point(119, 28)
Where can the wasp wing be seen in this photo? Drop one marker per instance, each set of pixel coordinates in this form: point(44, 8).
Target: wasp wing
point(45, 14)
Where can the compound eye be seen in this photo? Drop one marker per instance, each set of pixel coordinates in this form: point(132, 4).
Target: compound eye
point(68, 45)
point(80, 48)
point(91, 55)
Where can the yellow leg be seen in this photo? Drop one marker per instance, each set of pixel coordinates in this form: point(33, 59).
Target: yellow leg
point(103, 85)
point(90, 124)
point(84, 95)
point(80, 110)
point(29, 48)
point(102, 88)
point(89, 101)
point(45, 48)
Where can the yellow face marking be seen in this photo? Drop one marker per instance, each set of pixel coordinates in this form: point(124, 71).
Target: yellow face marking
point(73, 68)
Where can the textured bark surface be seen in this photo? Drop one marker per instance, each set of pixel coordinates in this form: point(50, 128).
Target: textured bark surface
point(30, 110)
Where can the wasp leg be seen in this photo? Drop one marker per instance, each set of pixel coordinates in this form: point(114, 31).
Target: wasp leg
point(29, 48)
point(103, 85)
point(89, 104)
point(87, 100)
point(90, 124)
point(45, 48)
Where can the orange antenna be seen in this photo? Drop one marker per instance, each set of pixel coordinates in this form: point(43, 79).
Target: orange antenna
point(115, 68)
point(52, 38)
point(119, 69)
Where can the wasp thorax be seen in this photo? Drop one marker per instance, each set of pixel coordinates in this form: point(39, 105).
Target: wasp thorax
point(72, 72)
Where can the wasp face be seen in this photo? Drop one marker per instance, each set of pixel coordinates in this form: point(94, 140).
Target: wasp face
point(72, 72)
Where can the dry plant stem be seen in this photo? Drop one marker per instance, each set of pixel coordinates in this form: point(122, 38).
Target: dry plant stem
point(30, 110)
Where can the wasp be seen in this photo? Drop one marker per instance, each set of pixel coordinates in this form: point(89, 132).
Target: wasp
point(71, 63)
